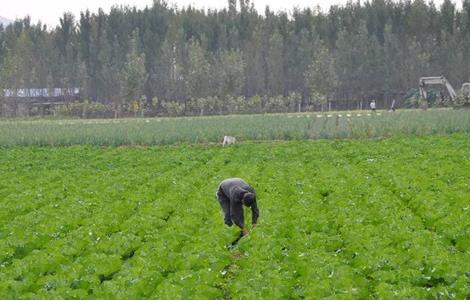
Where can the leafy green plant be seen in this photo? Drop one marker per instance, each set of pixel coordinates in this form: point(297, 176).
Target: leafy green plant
point(340, 219)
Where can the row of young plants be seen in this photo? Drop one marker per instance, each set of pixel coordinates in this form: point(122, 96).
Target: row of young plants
point(157, 131)
point(349, 219)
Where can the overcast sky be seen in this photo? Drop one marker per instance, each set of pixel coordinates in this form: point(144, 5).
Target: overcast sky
point(49, 11)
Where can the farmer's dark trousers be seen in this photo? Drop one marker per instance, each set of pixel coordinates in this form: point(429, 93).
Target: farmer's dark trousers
point(225, 204)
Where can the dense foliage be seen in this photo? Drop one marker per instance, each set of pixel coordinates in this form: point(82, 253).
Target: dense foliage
point(353, 219)
point(158, 131)
point(166, 58)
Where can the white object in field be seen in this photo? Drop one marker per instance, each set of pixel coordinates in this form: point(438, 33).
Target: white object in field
point(228, 140)
point(319, 116)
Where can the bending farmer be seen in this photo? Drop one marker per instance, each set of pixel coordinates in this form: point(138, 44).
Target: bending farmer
point(233, 193)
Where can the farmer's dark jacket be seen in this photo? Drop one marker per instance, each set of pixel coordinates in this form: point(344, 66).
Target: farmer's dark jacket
point(230, 194)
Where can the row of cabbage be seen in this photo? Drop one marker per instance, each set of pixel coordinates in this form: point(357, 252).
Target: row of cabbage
point(355, 219)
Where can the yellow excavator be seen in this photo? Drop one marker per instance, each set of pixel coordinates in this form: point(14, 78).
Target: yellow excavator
point(462, 98)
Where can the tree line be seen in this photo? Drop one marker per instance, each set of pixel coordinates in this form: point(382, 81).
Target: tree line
point(193, 61)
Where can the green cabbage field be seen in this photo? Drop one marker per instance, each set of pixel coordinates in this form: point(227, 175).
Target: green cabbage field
point(351, 219)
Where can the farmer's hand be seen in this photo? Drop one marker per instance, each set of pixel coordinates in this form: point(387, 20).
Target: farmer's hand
point(244, 231)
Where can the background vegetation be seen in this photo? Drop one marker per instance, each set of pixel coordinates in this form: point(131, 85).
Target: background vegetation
point(173, 61)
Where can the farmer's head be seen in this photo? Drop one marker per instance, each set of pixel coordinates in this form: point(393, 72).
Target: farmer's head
point(249, 199)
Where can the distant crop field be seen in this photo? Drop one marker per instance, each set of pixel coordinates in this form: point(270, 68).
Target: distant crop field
point(386, 219)
point(162, 131)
